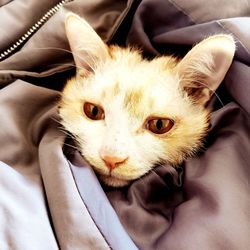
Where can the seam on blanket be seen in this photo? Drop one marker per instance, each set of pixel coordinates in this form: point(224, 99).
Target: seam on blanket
point(235, 36)
point(119, 20)
point(9, 1)
point(9, 75)
point(177, 6)
point(99, 229)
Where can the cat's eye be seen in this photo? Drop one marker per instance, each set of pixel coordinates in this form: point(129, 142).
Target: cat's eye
point(159, 125)
point(93, 111)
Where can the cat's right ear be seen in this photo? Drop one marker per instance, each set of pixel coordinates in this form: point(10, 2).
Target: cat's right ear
point(204, 67)
point(87, 47)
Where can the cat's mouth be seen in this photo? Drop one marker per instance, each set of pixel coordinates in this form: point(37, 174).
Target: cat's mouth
point(113, 181)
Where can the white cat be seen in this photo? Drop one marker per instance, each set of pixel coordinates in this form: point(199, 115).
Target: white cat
point(128, 113)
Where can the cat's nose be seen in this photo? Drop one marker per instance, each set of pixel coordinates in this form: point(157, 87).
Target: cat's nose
point(113, 161)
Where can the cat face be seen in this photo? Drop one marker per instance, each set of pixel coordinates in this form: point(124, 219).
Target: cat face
point(114, 112)
point(129, 114)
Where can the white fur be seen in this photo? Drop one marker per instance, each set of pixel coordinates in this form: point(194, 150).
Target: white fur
point(132, 90)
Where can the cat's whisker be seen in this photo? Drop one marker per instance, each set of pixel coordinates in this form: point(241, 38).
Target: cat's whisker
point(214, 92)
point(55, 120)
point(76, 55)
point(58, 138)
point(68, 64)
point(92, 58)
point(68, 134)
point(63, 130)
point(63, 142)
point(206, 86)
point(71, 146)
point(52, 48)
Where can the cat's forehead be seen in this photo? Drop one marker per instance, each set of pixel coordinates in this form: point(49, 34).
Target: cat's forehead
point(135, 84)
point(136, 90)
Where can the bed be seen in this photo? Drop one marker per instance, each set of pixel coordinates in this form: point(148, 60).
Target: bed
point(51, 199)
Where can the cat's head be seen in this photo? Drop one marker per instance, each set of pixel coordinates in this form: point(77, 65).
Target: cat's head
point(129, 114)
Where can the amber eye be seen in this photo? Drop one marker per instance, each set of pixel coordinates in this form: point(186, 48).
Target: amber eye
point(159, 125)
point(92, 111)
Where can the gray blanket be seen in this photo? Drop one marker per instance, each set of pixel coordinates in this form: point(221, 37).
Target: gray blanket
point(51, 199)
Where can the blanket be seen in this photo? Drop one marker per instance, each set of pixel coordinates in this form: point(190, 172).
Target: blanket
point(51, 199)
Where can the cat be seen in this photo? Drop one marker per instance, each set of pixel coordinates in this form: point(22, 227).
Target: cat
point(128, 113)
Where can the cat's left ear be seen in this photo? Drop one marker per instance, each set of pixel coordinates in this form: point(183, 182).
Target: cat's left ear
point(87, 47)
point(204, 67)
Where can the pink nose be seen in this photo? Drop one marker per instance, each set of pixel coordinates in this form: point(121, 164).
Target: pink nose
point(113, 161)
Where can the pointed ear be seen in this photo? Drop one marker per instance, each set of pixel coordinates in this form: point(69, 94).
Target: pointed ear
point(204, 67)
point(87, 47)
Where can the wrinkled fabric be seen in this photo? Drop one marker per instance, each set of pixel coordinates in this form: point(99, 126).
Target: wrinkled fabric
point(215, 212)
point(47, 52)
point(40, 205)
point(51, 199)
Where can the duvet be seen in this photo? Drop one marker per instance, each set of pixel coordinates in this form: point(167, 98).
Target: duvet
point(49, 196)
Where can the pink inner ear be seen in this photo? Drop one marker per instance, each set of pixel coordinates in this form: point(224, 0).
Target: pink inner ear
point(204, 67)
point(199, 95)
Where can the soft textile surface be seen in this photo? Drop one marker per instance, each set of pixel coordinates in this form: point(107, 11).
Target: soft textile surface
point(215, 213)
point(40, 205)
point(50, 198)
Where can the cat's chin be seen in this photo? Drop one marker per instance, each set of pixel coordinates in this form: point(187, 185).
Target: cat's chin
point(113, 181)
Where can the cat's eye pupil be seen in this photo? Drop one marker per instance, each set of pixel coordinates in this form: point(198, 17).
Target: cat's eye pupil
point(159, 124)
point(92, 111)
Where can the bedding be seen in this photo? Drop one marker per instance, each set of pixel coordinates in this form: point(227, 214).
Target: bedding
point(51, 199)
